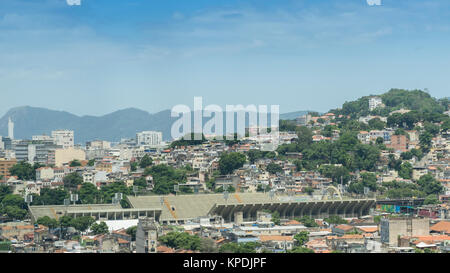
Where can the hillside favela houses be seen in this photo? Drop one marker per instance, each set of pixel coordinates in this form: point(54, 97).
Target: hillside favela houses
point(370, 177)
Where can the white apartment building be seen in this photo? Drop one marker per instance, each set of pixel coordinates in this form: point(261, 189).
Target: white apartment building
point(42, 138)
point(151, 138)
point(64, 138)
point(98, 144)
point(374, 102)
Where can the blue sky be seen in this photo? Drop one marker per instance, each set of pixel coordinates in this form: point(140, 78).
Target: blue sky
point(106, 55)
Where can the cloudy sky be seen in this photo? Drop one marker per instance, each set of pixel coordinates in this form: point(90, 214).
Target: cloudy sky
point(106, 55)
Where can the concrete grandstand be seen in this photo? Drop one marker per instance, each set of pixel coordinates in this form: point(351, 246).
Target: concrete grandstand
point(169, 209)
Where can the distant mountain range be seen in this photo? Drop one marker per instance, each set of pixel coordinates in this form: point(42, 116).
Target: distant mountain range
point(29, 121)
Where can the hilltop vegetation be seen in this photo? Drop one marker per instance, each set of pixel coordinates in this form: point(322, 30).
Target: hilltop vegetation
point(395, 99)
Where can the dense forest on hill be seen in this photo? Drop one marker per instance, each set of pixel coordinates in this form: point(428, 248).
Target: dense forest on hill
point(395, 99)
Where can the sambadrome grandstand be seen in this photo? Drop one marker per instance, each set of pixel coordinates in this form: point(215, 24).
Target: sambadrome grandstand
point(171, 209)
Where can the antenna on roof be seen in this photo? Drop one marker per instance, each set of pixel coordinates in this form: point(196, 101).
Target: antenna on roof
point(161, 200)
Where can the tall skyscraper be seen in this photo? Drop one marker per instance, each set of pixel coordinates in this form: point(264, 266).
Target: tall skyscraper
point(10, 128)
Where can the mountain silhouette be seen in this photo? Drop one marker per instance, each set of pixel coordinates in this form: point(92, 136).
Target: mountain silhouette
point(29, 121)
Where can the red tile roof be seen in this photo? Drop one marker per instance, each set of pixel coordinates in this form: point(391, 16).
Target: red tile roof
point(442, 226)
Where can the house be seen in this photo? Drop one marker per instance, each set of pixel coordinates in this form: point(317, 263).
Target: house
point(318, 246)
point(277, 241)
point(399, 143)
point(340, 230)
point(443, 227)
point(367, 229)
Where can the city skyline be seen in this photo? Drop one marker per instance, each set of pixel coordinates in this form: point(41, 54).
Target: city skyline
point(152, 56)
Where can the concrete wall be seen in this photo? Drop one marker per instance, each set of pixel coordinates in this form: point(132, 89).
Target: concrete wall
point(391, 229)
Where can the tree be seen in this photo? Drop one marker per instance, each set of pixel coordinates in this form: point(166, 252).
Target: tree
point(181, 240)
point(101, 228)
point(369, 180)
point(207, 245)
point(132, 232)
point(249, 247)
point(308, 221)
point(145, 162)
point(406, 170)
point(51, 197)
point(301, 238)
point(107, 192)
point(394, 163)
point(334, 219)
point(82, 223)
point(4, 191)
point(301, 250)
point(91, 163)
point(431, 200)
point(337, 173)
point(425, 141)
point(308, 190)
point(274, 168)
point(133, 166)
point(377, 124)
point(47, 221)
point(75, 163)
point(14, 200)
point(400, 132)
point(431, 128)
point(15, 212)
point(304, 135)
point(379, 140)
point(407, 155)
point(276, 218)
point(230, 162)
point(72, 180)
point(262, 188)
point(141, 182)
point(65, 221)
point(23, 171)
point(253, 155)
point(165, 177)
point(89, 194)
point(429, 185)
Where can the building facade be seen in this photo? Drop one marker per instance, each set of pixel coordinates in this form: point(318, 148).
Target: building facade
point(64, 138)
point(150, 138)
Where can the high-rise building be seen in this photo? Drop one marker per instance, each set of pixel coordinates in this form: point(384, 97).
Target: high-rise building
point(150, 138)
point(34, 152)
point(10, 129)
point(6, 143)
point(303, 120)
point(64, 138)
point(5, 165)
point(147, 235)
